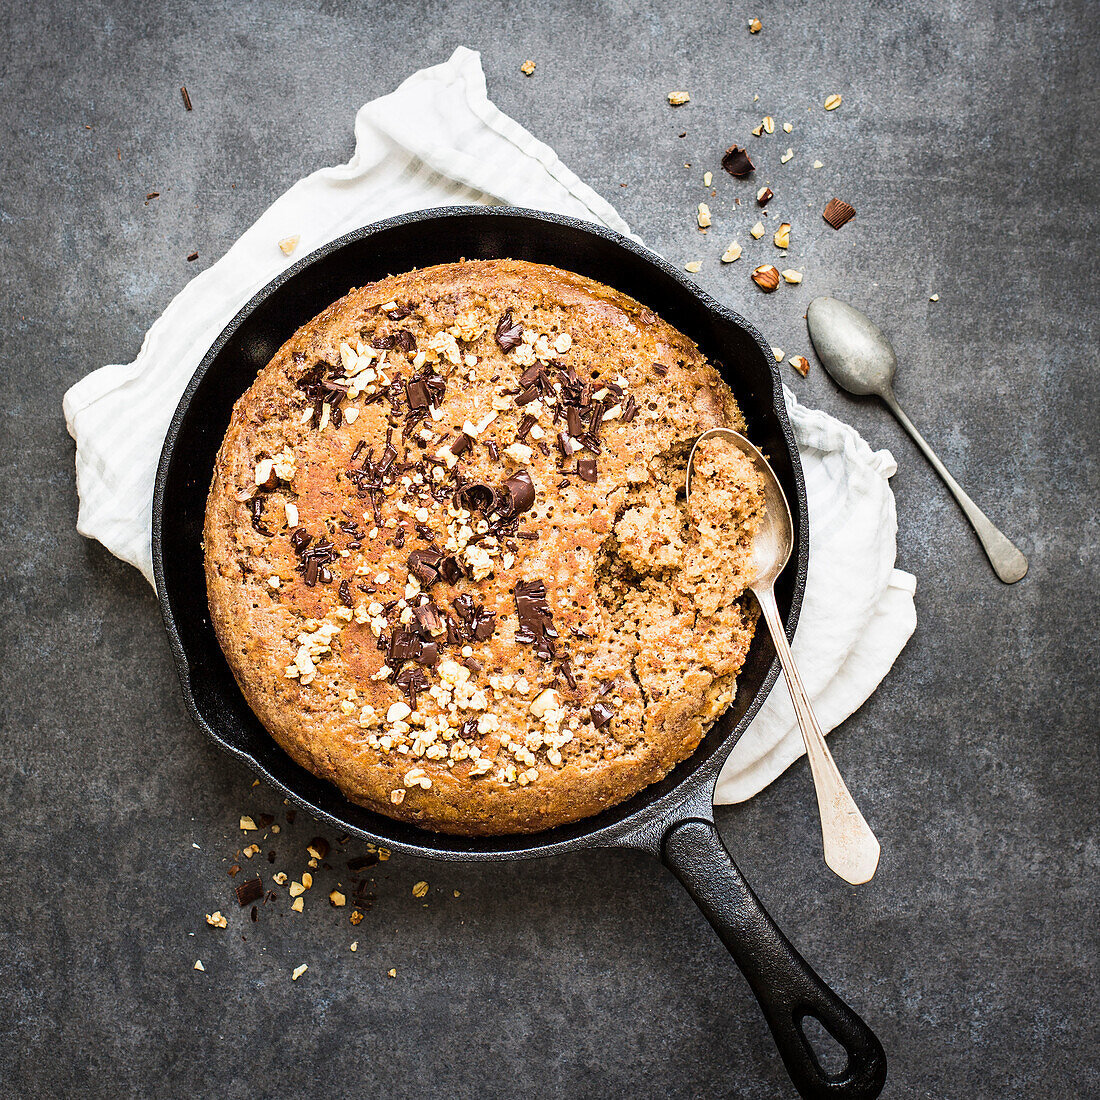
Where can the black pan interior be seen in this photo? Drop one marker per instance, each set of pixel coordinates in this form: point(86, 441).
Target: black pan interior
point(249, 342)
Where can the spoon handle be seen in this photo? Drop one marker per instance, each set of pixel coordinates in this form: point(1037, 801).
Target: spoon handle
point(1008, 563)
point(851, 849)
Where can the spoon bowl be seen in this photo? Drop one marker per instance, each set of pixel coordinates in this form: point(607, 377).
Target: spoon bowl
point(771, 549)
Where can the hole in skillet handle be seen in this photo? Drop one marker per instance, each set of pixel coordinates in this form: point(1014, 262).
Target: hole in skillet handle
point(786, 987)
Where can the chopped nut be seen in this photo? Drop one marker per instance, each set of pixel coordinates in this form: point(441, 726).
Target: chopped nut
point(280, 877)
point(833, 102)
point(786, 156)
point(265, 473)
point(764, 196)
point(800, 364)
point(298, 904)
point(291, 513)
point(733, 252)
point(527, 68)
point(769, 124)
point(216, 920)
point(783, 236)
point(678, 99)
point(397, 796)
point(787, 127)
point(757, 131)
point(420, 889)
point(818, 164)
point(707, 179)
point(934, 298)
point(392, 973)
point(766, 277)
point(247, 824)
point(297, 889)
point(337, 899)
point(198, 965)
point(757, 230)
point(307, 879)
point(354, 945)
point(289, 244)
point(693, 266)
point(778, 353)
point(704, 215)
point(356, 917)
point(755, 26)
point(298, 972)
point(792, 276)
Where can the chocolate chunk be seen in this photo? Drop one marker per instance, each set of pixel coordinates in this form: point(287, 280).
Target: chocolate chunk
point(430, 620)
point(345, 593)
point(424, 565)
point(399, 314)
point(837, 213)
point(461, 444)
point(520, 492)
point(411, 682)
point(525, 425)
point(249, 891)
point(586, 468)
point(477, 497)
point(532, 376)
point(536, 623)
point(449, 569)
point(429, 654)
point(600, 714)
point(508, 335)
point(417, 393)
point(736, 161)
point(574, 422)
point(404, 340)
point(468, 730)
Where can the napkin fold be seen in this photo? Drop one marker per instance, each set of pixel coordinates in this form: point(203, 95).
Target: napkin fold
point(437, 140)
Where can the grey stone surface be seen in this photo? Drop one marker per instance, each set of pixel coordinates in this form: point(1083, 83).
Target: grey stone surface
point(967, 143)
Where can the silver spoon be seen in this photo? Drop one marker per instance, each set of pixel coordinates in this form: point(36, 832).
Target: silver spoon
point(851, 849)
point(859, 357)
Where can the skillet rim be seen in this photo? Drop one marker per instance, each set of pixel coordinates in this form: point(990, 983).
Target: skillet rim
point(691, 795)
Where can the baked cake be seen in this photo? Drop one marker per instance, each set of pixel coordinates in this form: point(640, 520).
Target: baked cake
point(448, 555)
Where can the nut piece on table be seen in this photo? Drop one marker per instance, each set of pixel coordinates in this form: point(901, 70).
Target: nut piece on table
point(782, 236)
point(736, 161)
point(704, 215)
point(678, 99)
point(769, 124)
point(833, 102)
point(800, 364)
point(792, 276)
point(766, 277)
point(732, 253)
point(527, 68)
point(755, 26)
point(764, 196)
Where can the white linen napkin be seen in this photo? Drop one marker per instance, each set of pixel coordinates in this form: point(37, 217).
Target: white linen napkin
point(438, 141)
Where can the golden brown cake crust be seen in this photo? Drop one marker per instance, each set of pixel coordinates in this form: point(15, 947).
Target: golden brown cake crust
point(504, 619)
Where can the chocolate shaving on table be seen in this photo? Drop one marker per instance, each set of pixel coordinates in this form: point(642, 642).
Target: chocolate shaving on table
point(736, 161)
point(249, 891)
point(536, 621)
point(508, 335)
point(600, 714)
point(837, 213)
point(186, 98)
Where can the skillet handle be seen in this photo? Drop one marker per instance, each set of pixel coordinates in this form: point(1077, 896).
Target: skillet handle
point(786, 987)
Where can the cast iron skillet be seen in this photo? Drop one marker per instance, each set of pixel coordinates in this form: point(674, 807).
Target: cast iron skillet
point(672, 819)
